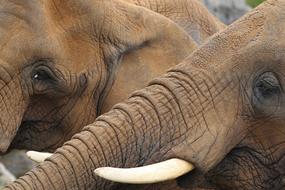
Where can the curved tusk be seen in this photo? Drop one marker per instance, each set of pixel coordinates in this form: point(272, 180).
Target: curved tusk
point(38, 156)
point(163, 171)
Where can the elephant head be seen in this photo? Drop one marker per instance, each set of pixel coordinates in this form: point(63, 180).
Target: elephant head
point(221, 109)
point(65, 62)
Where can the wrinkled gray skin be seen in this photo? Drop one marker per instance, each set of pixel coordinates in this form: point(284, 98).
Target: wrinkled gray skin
point(63, 63)
point(222, 109)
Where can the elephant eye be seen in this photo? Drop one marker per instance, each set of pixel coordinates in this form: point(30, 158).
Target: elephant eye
point(42, 73)
point(266, 93)
point(267, 86)
point(43, 79)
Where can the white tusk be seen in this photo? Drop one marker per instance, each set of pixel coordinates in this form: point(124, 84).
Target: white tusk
point(163, 171)
point(38, 156)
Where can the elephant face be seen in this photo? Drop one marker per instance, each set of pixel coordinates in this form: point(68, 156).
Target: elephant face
point(59, 61)
point(257, 161)
point(247, 124)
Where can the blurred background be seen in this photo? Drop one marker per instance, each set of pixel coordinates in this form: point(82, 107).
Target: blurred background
point(230, 10)
point(15, 164)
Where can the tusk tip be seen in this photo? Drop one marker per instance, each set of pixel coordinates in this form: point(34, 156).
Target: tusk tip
point(38, 156)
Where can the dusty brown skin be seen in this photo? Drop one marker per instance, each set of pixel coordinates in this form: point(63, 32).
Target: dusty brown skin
point(224, 114)
point(60, 59)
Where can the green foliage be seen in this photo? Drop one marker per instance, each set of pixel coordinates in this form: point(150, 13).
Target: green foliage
point(254, 3)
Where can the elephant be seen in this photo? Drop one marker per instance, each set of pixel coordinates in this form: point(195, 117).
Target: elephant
point(221, 110)
point(63, 63)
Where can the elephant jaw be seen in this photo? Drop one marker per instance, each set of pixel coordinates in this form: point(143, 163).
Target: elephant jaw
point(159, 172)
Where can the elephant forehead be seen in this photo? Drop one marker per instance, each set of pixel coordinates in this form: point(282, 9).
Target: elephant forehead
point(25, 12)
point(25, 32)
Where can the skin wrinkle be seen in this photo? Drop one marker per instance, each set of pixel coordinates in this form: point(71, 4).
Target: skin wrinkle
point(127, 113)
point(123, 111)
point(83, 161)
point(195, 116)
point(176, 100)
point(145, 97)
point(80, 157)
point(204, 108)
point(152, 148)
point(141, 160)
point(192, 110)
point(119, 144)
point(151, 101)
point(58, 172)
point(160, 117)
point(149, 151)
point(75, 178)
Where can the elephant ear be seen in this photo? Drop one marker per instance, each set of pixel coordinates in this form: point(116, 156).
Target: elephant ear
point(152, 44)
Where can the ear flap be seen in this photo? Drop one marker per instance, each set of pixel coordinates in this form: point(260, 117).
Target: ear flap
point(152, 44)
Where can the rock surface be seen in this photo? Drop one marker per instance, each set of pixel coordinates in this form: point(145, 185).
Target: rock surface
point(13, 165)
point(227, 10)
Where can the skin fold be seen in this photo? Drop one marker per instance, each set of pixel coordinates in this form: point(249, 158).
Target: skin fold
point(63, 63)
point(221, 109)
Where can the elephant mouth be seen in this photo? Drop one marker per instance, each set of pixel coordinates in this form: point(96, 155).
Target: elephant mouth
point(32, 134)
